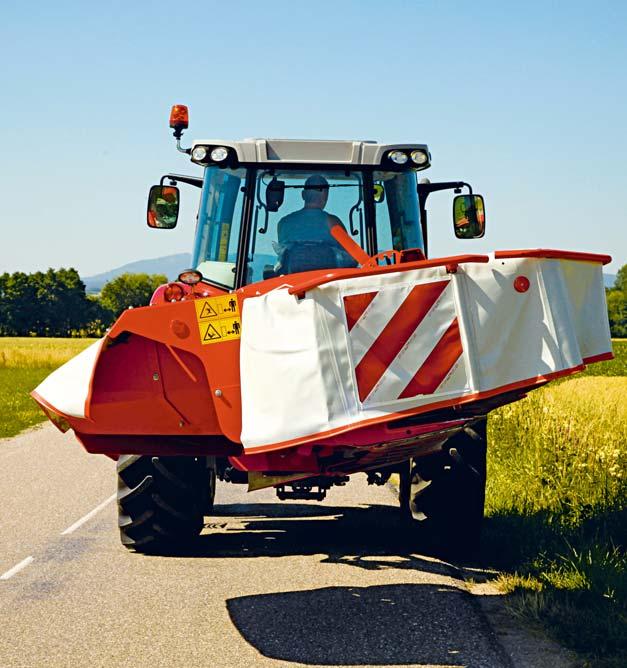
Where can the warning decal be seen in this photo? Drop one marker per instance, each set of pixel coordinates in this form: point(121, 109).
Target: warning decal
point(207, 312)
point(211, 333)
point(218, 319)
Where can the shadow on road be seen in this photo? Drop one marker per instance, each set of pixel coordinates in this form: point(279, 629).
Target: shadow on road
point(371, 537)
point(411, 624)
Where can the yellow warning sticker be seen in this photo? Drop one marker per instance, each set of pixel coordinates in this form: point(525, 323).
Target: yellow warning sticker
point(224, 306)
point(218, 319)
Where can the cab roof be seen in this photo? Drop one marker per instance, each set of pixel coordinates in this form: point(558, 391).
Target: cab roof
point(322, 151)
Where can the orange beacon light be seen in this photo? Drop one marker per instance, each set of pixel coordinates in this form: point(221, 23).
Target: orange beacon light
point(179, 119)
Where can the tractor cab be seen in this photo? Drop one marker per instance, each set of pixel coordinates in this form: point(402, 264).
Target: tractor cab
point(273, 207)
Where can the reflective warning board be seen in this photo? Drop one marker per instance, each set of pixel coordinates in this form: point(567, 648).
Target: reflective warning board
point(218, 319)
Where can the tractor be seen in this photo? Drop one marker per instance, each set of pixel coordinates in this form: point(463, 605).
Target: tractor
point(314, 337)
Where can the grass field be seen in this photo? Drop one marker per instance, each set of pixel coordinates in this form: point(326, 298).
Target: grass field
point(24, 363)
point(557, 509)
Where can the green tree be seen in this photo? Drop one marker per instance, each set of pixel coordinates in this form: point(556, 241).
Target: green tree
point(18, 304)
point(61, 302)
point(129, 290)
point(617, 313)
point(617, 304)
point(621, 280)
point(51, 303)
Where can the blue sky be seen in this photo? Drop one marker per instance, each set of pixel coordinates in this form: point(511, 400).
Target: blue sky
point(527, 101)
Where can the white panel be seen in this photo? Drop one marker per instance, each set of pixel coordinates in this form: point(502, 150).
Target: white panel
point(375, 318)
point(298, 367)
point(584, 284)
point(283, 387)
point(513, 332)
point(67, 387)
point(411, 357)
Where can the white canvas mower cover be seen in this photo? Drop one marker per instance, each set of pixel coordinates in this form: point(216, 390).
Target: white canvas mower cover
point(354, 350)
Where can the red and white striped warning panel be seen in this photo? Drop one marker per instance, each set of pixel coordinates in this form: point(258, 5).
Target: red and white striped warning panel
point(404, 340)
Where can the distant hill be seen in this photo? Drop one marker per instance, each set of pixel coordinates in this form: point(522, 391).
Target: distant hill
point(170, 265)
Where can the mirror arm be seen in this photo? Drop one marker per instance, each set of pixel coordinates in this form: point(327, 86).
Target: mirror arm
point(425, 189)
point(190, 180)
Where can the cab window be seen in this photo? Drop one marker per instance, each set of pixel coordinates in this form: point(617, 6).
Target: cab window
point(219, 221)
point(397, 212)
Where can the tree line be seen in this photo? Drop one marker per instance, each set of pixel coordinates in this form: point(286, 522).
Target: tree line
point(617, 304)
point(54, 303)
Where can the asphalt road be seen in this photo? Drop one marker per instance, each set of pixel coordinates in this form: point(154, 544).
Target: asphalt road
point(270, 584)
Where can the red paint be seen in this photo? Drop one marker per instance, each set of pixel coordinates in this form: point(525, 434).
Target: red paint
point(355, 305)
point(396, 334)
point(521, 284)
point(598, 358)
point(349, 245)
point(437, 365)
point(553, 254)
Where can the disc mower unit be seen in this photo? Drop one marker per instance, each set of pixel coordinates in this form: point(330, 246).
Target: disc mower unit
point(315, 337)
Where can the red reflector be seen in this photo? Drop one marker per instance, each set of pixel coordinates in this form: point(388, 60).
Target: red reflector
point(521, 284)
point(173, 292)
point(179, 116)
point(179, 328)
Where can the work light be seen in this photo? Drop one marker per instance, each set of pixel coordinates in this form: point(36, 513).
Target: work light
point(219, 154)
point(199, 153)
point(419, 157)
point(398, 157)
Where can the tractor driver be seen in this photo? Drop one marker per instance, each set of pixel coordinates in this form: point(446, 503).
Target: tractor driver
point(313, 224)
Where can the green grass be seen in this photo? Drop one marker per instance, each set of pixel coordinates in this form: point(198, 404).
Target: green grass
point(556, 509)
point(615, 367)
point(24, 363)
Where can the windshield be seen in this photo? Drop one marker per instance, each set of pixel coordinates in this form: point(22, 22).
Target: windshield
point(296, 235)
point(292, 216)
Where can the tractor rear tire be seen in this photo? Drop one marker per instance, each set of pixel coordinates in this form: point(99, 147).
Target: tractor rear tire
point(442, 496)
point(162, 500)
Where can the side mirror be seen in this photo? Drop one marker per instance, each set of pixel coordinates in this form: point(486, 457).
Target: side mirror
point(275, 193)
point(163, 207)
point(379, 193)
point(469, 216)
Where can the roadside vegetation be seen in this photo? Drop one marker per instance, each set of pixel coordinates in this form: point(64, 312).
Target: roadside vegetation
point(24, 363)
point(557, 509)
point(54, 303)
point(617, 304)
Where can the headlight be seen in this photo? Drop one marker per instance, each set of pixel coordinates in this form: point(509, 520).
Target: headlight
point(398, 157)
point(219, 154)
point(419, 157)
point(199, 153)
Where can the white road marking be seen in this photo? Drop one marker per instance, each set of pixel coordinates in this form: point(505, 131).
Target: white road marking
point(16, 569)
point(87, 517)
